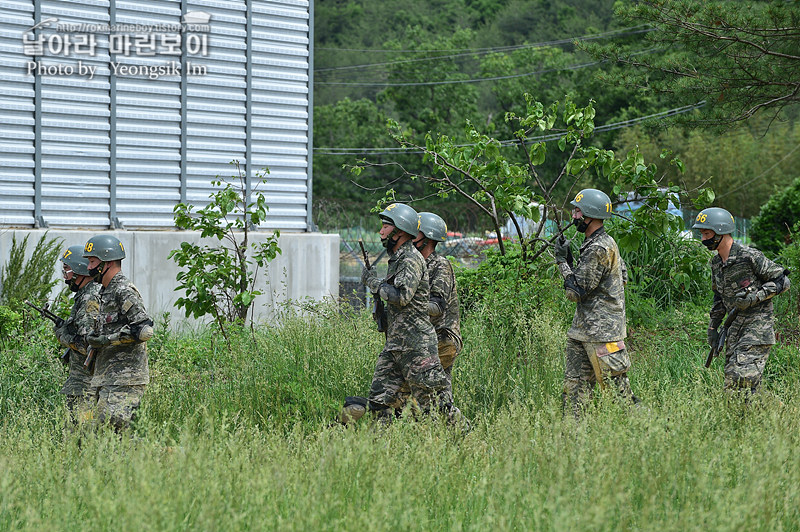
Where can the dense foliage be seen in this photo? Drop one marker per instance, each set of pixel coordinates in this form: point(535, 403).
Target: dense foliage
point(29, 275)
point(739, 58)
point(774, 227)
point(432, 67)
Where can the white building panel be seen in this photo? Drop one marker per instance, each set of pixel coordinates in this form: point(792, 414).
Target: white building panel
point(127, 145)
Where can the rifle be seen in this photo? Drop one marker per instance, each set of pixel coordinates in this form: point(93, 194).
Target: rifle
point(378, 310)
point(552, 240)
point(90, 353)
point(88, 364)
point(723, 334)
point(46, 314)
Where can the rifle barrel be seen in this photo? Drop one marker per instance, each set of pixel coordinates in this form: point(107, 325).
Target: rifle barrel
point(364, 252)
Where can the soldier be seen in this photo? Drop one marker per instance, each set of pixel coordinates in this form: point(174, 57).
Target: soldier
point(595, 350)
point(409, 354)
point(72, 333)
point(119, 335)
point(443, 308)
point(742, 278)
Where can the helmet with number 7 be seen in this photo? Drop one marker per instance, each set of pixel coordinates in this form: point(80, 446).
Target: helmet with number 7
point(74, 259)
point(104, 247)
point(717, 219)
point(593, 203)
point(402, 217)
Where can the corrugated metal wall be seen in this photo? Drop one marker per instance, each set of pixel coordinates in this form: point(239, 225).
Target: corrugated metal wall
point(123, 149)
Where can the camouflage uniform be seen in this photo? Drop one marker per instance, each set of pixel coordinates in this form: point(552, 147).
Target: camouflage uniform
point(121, 370)
point(410, 351)
point(751, 335)
point(72, 334)
point(595, 343)
point(447, 324)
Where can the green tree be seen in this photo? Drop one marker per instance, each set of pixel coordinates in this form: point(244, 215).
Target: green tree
point(220, 280)
point(30, 278)
point(740, 58)
point(476, 168)
point(772, 229)
point(744, 166)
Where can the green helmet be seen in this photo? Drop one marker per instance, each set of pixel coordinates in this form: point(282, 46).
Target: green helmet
point(104, 247)
point(402, 217)
point(718, 220)
point(432, 226)
point(73, 257)
point(593, 203)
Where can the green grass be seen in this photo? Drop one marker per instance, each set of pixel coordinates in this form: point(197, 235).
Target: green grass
point(240, 438)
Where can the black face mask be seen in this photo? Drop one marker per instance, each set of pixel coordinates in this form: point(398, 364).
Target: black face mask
point(582, 225)
point(389, 243)
point(73, 285)
point(713, 242)
point(97, 272)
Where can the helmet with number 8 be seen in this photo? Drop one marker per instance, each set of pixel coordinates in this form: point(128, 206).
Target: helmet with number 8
point(593, 203)
point(432, 226)
point(104, 247)
point(717, 219)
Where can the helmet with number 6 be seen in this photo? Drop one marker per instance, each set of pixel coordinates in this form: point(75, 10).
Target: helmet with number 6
point(104, 247)
point(593, 203)
point(717, 219)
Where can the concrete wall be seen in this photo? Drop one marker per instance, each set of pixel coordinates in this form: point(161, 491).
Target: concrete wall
point(308, 266)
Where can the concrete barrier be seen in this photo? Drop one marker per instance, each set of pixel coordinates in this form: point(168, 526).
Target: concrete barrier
point(307, 268)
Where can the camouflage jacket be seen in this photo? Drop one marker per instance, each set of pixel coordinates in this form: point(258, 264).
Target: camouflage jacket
point(122, 313)
point(409, 327)
point(445, 294)
point(72, 334)
point(745, 270)
point(599, 277)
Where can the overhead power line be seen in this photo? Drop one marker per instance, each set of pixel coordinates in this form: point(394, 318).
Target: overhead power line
point(642, 28)
point(483, 51)
point(762, 174)
point(456, 81)
point(474, 80)
point(512, 142)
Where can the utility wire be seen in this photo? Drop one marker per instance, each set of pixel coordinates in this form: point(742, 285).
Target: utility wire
point(484, 51)
point(759, 176)
point(456, 81)
point(475, 80)
point(512, 142)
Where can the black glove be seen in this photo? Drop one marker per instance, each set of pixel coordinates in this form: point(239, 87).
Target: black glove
point(713, 337)
point(59, 322)
point(561, 249)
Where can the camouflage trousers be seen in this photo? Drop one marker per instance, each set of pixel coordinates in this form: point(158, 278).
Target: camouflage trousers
point(587, 363)
point(422, 374)
point(744, 365)
point(79, 408)
point(447, 356)
point(116, 405)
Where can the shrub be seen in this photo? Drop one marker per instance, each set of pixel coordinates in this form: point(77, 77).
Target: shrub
point(31, 279)
point(220, 280)
point(771, 230)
